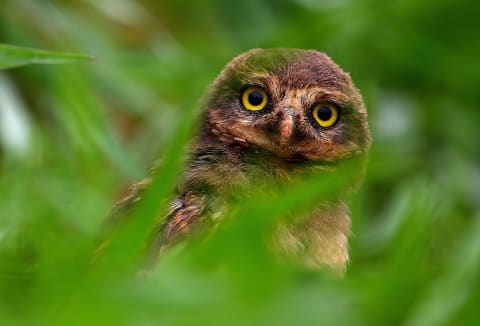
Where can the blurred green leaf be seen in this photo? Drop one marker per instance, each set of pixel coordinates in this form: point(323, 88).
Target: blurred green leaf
point(14, 56)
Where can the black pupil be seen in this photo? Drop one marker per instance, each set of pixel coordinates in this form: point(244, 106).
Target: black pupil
point(255, 98)
point(324, 113)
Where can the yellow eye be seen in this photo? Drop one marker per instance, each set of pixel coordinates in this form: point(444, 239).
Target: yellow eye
point(325, 114)
point(254, 98)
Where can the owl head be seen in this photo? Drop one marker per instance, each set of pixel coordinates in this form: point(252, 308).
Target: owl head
point(291, 103)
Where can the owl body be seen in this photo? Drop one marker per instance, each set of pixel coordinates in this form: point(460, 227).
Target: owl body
point(271, 115)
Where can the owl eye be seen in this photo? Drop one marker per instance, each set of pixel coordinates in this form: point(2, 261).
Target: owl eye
point(326, 115)
point(254, 98)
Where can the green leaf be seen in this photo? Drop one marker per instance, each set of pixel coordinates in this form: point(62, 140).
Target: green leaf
point(14, 56)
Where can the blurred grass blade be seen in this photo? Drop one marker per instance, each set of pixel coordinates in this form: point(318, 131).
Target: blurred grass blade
point(15, 125)
point(126, 244)
point(14, 56)
point(452, 289)
point(257, 215)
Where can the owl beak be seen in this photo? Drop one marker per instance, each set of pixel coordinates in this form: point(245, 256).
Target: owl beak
point(287, 126)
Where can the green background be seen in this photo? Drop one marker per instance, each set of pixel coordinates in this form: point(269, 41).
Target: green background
point(73, 136)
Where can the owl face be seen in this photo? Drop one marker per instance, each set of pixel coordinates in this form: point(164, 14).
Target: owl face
point(295, 104)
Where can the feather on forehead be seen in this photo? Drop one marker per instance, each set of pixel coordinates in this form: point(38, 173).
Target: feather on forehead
point(294, 67)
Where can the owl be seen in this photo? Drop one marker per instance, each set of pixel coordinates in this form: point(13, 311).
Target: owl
point(269, 115)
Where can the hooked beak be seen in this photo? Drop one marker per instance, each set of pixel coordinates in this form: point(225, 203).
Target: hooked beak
point(287, 125)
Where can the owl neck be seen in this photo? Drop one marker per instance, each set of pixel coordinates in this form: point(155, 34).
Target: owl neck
point(222, 164)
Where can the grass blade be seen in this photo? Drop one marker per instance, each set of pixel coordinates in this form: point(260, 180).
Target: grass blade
point(14, 56)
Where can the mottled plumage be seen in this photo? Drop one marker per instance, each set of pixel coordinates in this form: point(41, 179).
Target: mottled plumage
point(270, 115)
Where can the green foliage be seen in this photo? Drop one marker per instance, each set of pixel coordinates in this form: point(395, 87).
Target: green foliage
point(73, 136)
point(14, 56)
